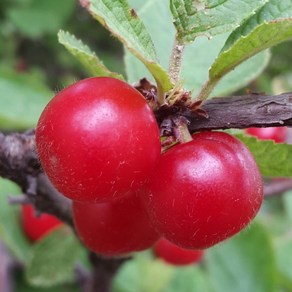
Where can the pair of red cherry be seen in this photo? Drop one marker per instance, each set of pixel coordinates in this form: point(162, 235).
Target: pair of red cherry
point(37, 227)
point(98, 142)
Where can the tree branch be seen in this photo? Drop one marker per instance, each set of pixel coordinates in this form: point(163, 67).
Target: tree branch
point(277, 187)
point(6, 268)
point(253, 110)
point(19, 162)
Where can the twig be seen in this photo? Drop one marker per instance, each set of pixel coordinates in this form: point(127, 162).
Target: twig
point(104, 271)
point(6, 267)
point(277, 187)
point(241, 112)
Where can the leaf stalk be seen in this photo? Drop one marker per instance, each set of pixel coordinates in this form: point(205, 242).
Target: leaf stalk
point(176, 58)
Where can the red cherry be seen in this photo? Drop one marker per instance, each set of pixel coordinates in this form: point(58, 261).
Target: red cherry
point(36, 227)
point(204, 191)
point(114, 228)
point(278, 134)
point(98, 140)
point(176, 255)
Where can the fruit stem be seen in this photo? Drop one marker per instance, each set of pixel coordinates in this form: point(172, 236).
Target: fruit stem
point(176, 60)
point(160, 94)
point(181, 131)
point(207, 89)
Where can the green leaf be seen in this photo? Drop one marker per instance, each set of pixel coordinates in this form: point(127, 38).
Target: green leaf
point(10, 228)
point(287, 201)
point(189, 278)
point(124, 23)
point(83, 53)
point(143, 275)
point(264, 36)
point(284, 256)
point(236, 79)
point(272, 12)
point(162, 33)
point(54, 259)
point(209, 18)
point(243, 263)
point(22, 99)
point(271, 25)
point(198, 56)
point(38, 17)
point(273, 159)
point(21, 285)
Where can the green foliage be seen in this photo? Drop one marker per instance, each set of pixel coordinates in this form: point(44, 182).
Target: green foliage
point(198, 56)
point(244, 263)
point(25, 91)
point(207, 52)
point(37, 17)
point(88, 58)
point(54, 259)
point(23, 286)
point(124, 23)
point(287, 201)
point(284, 259)
point(143, 275)
point(190, 278)
point(10, 231)
point(273, 159)
point(209, 18)
point(270, 26)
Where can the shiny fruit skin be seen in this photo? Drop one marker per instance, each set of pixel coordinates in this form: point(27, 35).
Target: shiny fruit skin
point(36, 227)
point(204, 191)
point(98, 140)
point(278, 134)
point(176, 255)
point(114, 228)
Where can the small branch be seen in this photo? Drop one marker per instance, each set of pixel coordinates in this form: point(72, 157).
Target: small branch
point(19, 162)
point(181, 131)
point(160, 94)
point(241, 112)
point(50, 201)
point(19, 200)
point(176, 61)
point(207, 89)
point(6, 268)
point(103, 272)
point(277, 187)
point(18, 159)
point(104, 269)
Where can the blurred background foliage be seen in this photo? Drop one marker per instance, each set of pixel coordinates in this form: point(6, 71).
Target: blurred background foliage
point(34, 65)
point(28, 38)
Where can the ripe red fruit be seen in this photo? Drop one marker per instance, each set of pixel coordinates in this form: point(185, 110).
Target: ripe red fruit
point(176, 255)
point(114, 228)
point(36, 227)
point(98, 140)
point(278, 134)
point(204, 191)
